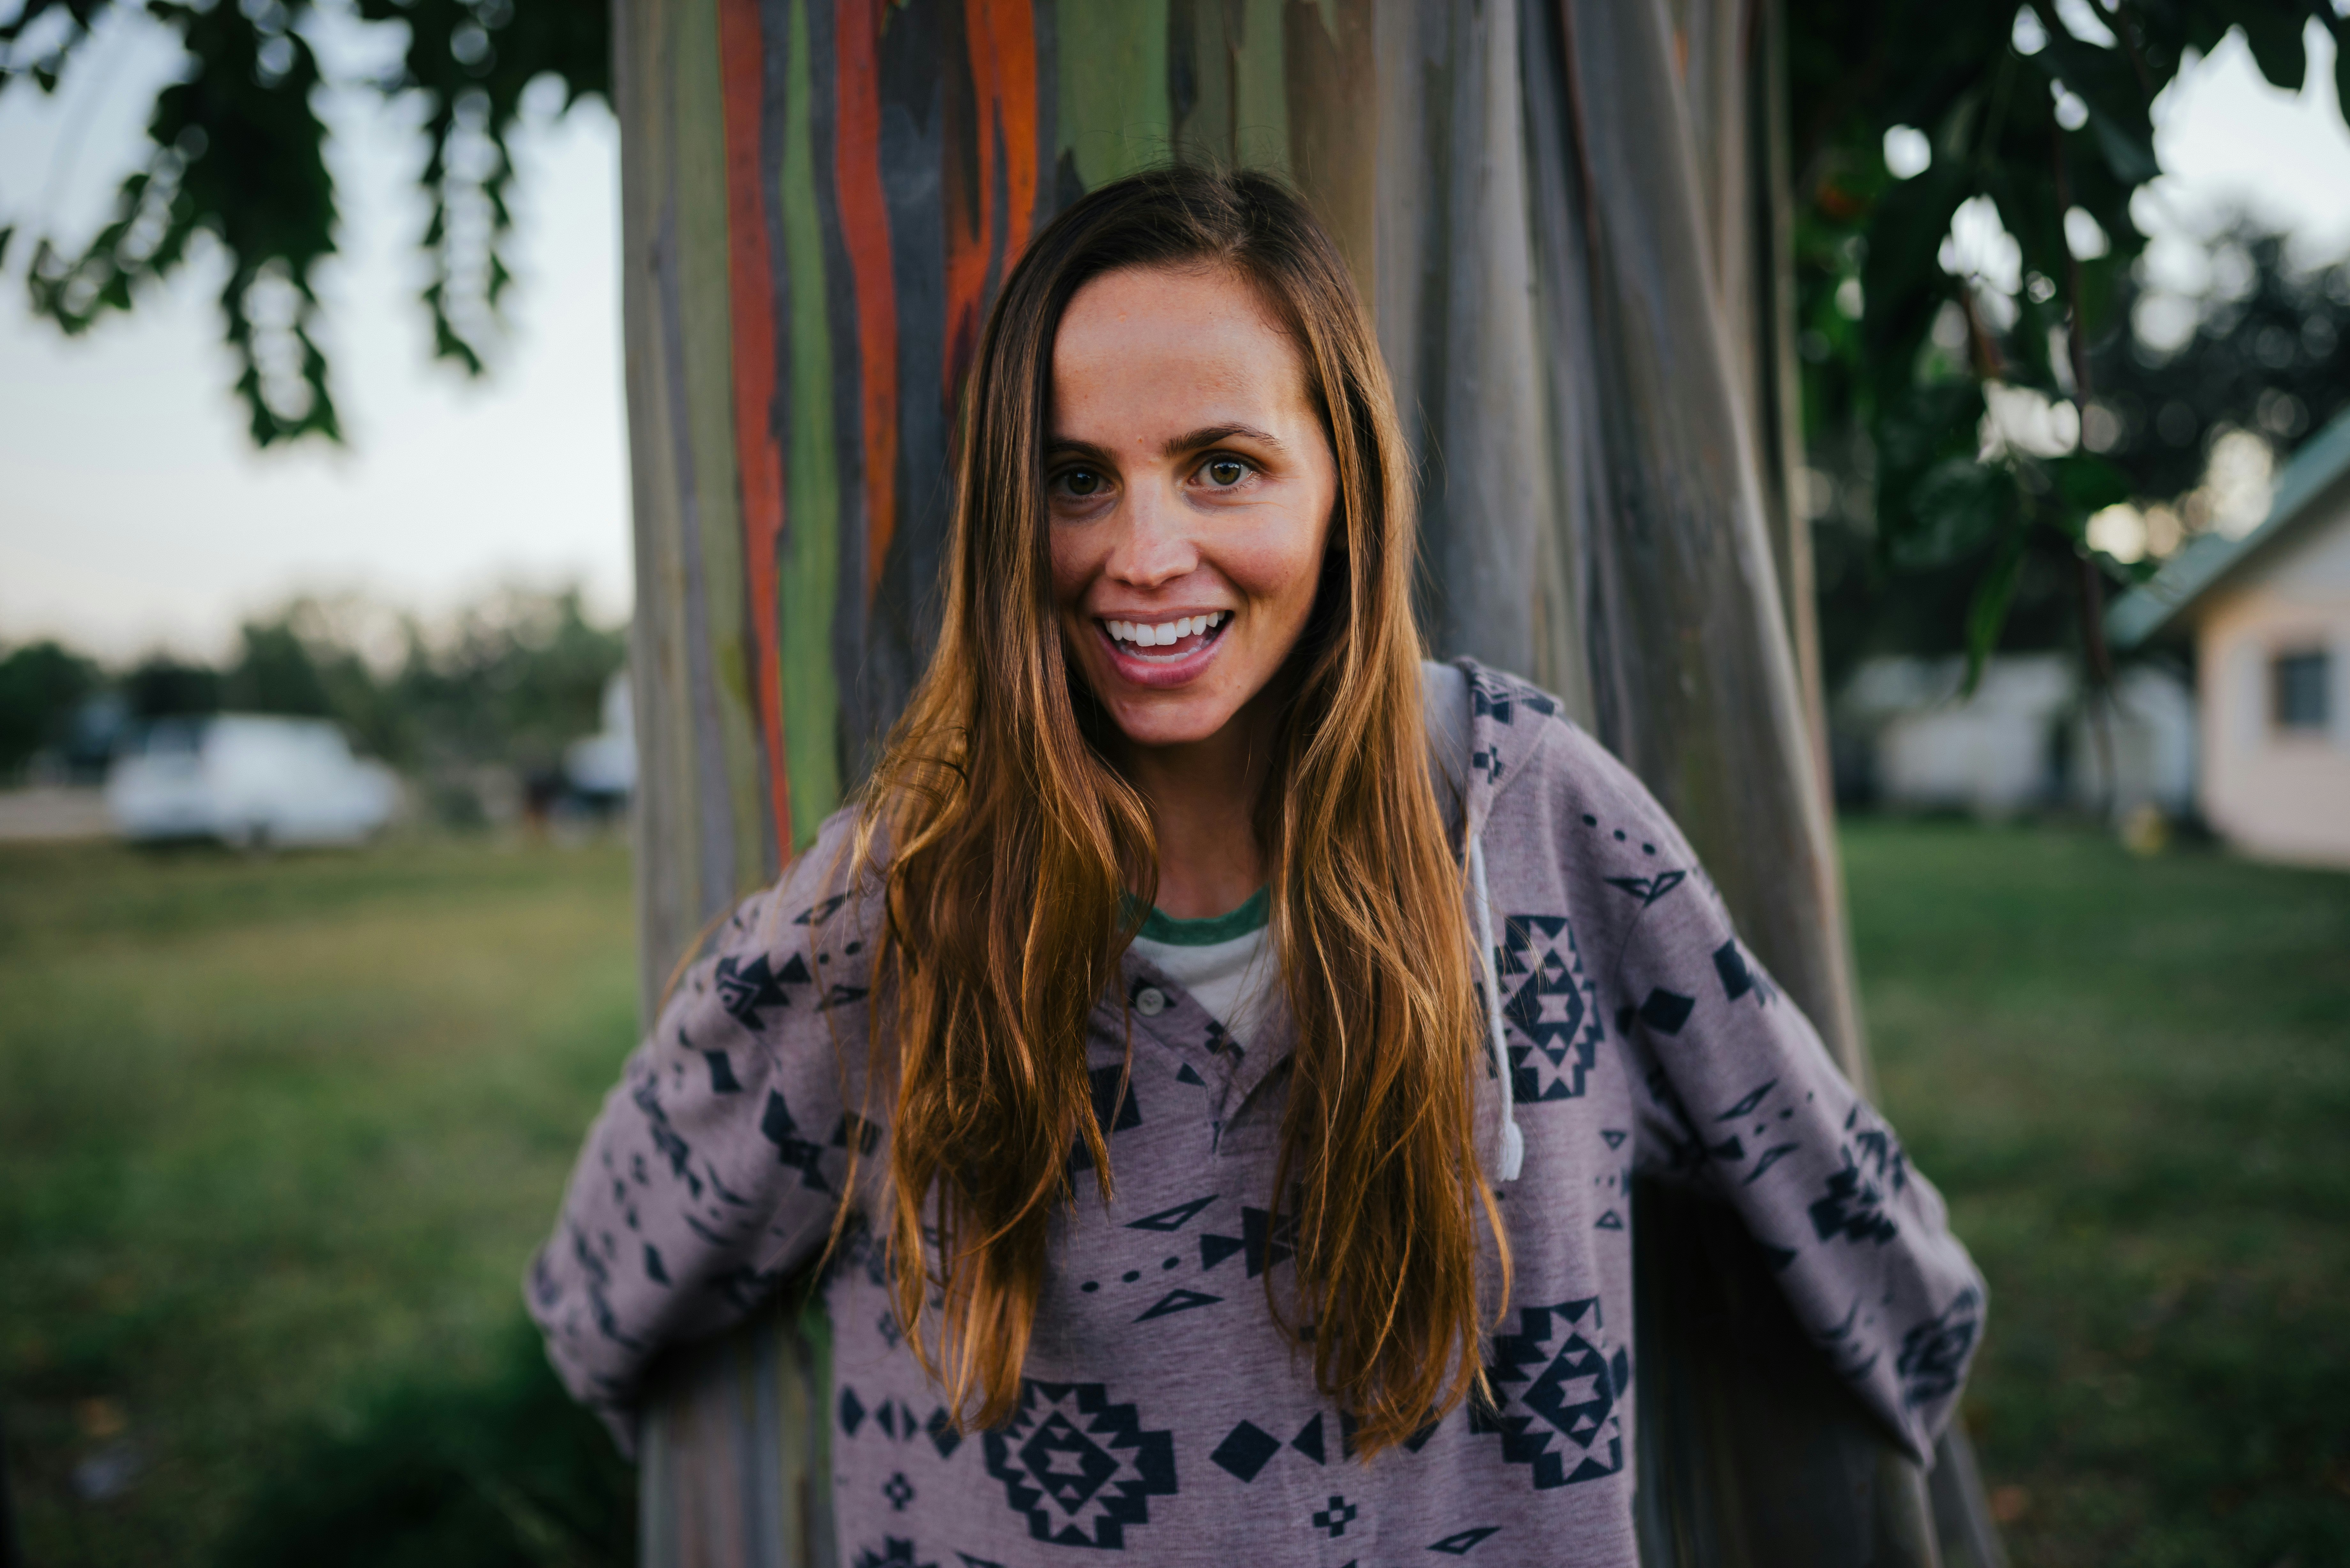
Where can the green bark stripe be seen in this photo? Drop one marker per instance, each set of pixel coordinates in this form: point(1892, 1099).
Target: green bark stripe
point(1260, 90)
point(809, 578)
point(1113, 115)
point(705, 324)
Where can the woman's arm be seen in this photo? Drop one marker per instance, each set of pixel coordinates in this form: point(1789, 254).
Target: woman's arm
point(1741, 1099)
point(718, 1162)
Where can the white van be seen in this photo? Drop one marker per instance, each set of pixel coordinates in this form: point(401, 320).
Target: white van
point(249, 780)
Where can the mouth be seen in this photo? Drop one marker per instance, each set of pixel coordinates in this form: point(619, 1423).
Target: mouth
point(1163, 651)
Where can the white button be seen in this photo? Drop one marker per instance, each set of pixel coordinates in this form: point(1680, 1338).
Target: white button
point(1151, 1002)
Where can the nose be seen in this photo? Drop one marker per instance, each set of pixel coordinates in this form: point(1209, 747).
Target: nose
point(1154, 544)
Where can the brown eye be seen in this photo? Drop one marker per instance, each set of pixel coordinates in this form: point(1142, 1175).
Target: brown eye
point(1081, 483)
point(1226, 470)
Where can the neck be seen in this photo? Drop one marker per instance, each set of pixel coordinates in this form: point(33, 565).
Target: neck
point(1203, 799)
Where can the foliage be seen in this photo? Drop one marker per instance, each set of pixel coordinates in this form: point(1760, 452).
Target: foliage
point(41, 684)
point(235, 149)
point(508, 681)
point(512, 680)
point(164, 687)
point(275, 673)
point(1920, 357)
point(2268, 352)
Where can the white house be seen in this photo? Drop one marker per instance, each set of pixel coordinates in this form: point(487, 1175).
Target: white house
point(2269, 614)
point(2025, 739)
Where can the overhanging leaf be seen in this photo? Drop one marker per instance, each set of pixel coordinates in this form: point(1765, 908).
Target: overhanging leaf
point(1987, 611)
point(2088, 484)
point(1954, 510)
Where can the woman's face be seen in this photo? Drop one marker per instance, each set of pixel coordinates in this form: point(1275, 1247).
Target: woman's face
point(1189, 488)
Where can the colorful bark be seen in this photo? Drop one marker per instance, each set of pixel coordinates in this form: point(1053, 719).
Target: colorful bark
point(751, 294)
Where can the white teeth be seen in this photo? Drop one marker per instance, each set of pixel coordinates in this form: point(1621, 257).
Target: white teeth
point(1164, 633)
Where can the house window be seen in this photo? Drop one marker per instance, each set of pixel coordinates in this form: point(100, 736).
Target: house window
point(2299, 682)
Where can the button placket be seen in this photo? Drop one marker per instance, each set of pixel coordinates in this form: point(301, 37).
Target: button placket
point(1159, 1010)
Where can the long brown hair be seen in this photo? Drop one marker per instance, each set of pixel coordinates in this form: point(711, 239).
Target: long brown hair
point(1006, 841)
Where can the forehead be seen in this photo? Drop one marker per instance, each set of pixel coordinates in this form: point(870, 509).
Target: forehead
point(1170, 345)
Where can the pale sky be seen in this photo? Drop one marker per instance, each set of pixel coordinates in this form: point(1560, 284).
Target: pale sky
point(134, 513)
point(133, 509)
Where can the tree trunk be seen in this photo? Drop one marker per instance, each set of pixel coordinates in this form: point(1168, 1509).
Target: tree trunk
point(1569, 218)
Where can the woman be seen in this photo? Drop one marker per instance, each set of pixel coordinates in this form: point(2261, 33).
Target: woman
point(1212, 1071)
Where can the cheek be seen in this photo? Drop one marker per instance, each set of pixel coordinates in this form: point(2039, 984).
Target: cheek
point(1072, 565)
point(1283, 565)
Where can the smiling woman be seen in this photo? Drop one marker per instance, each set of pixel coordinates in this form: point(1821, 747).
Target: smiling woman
point(1220, 968)
point(1189, 488)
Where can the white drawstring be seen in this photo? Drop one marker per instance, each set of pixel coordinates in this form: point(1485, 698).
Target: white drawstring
point(1514, 1142)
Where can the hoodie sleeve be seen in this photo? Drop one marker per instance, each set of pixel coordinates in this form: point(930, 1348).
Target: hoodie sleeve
point(718, 1161)
point(1742, 1100)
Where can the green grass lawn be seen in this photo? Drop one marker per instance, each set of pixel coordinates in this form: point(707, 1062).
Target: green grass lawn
point(2132, 1080)
point(277, 1138)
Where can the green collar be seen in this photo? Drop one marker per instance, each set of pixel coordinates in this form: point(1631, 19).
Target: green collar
point(1160, 927)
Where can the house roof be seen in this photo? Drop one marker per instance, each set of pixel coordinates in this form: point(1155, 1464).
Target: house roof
point(2149, 608)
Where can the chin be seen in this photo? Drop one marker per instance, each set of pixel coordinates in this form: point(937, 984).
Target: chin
point(1164, 724)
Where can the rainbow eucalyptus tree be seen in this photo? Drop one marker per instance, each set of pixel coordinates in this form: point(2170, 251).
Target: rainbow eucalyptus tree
point(1570, 220)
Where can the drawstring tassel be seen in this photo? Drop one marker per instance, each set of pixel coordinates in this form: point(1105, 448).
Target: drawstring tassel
point(1514, 1142)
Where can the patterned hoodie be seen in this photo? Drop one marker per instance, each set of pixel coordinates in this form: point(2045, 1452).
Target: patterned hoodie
point(1162, 1415)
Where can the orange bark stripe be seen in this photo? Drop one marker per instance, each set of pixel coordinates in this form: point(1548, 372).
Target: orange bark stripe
point(1011, 31)
point(865, 232)
point(970, 203)
point(759, 456)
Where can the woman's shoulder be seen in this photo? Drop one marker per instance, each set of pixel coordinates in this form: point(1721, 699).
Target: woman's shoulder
point(831, 887)
point(1525, 739)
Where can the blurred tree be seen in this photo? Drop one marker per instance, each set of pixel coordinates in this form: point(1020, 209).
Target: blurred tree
point(508, 682)
point(512, 681)
point(1958, 313)
point(275, 673)
point(235, 149)
point(164, 687)
point(2265, 348)
point(41, 684)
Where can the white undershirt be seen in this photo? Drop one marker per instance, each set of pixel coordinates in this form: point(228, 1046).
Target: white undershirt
point(1235, 980)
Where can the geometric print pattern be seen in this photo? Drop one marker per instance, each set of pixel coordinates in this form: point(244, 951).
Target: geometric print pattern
point(1080, 1467)
point(1875, 1168)
point(1934, 1354)
point(1551, 1006)
point(1559, 1390)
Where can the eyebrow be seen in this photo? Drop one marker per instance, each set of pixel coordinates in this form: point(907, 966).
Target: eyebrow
point(1190, 441)
point(1208, 435)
